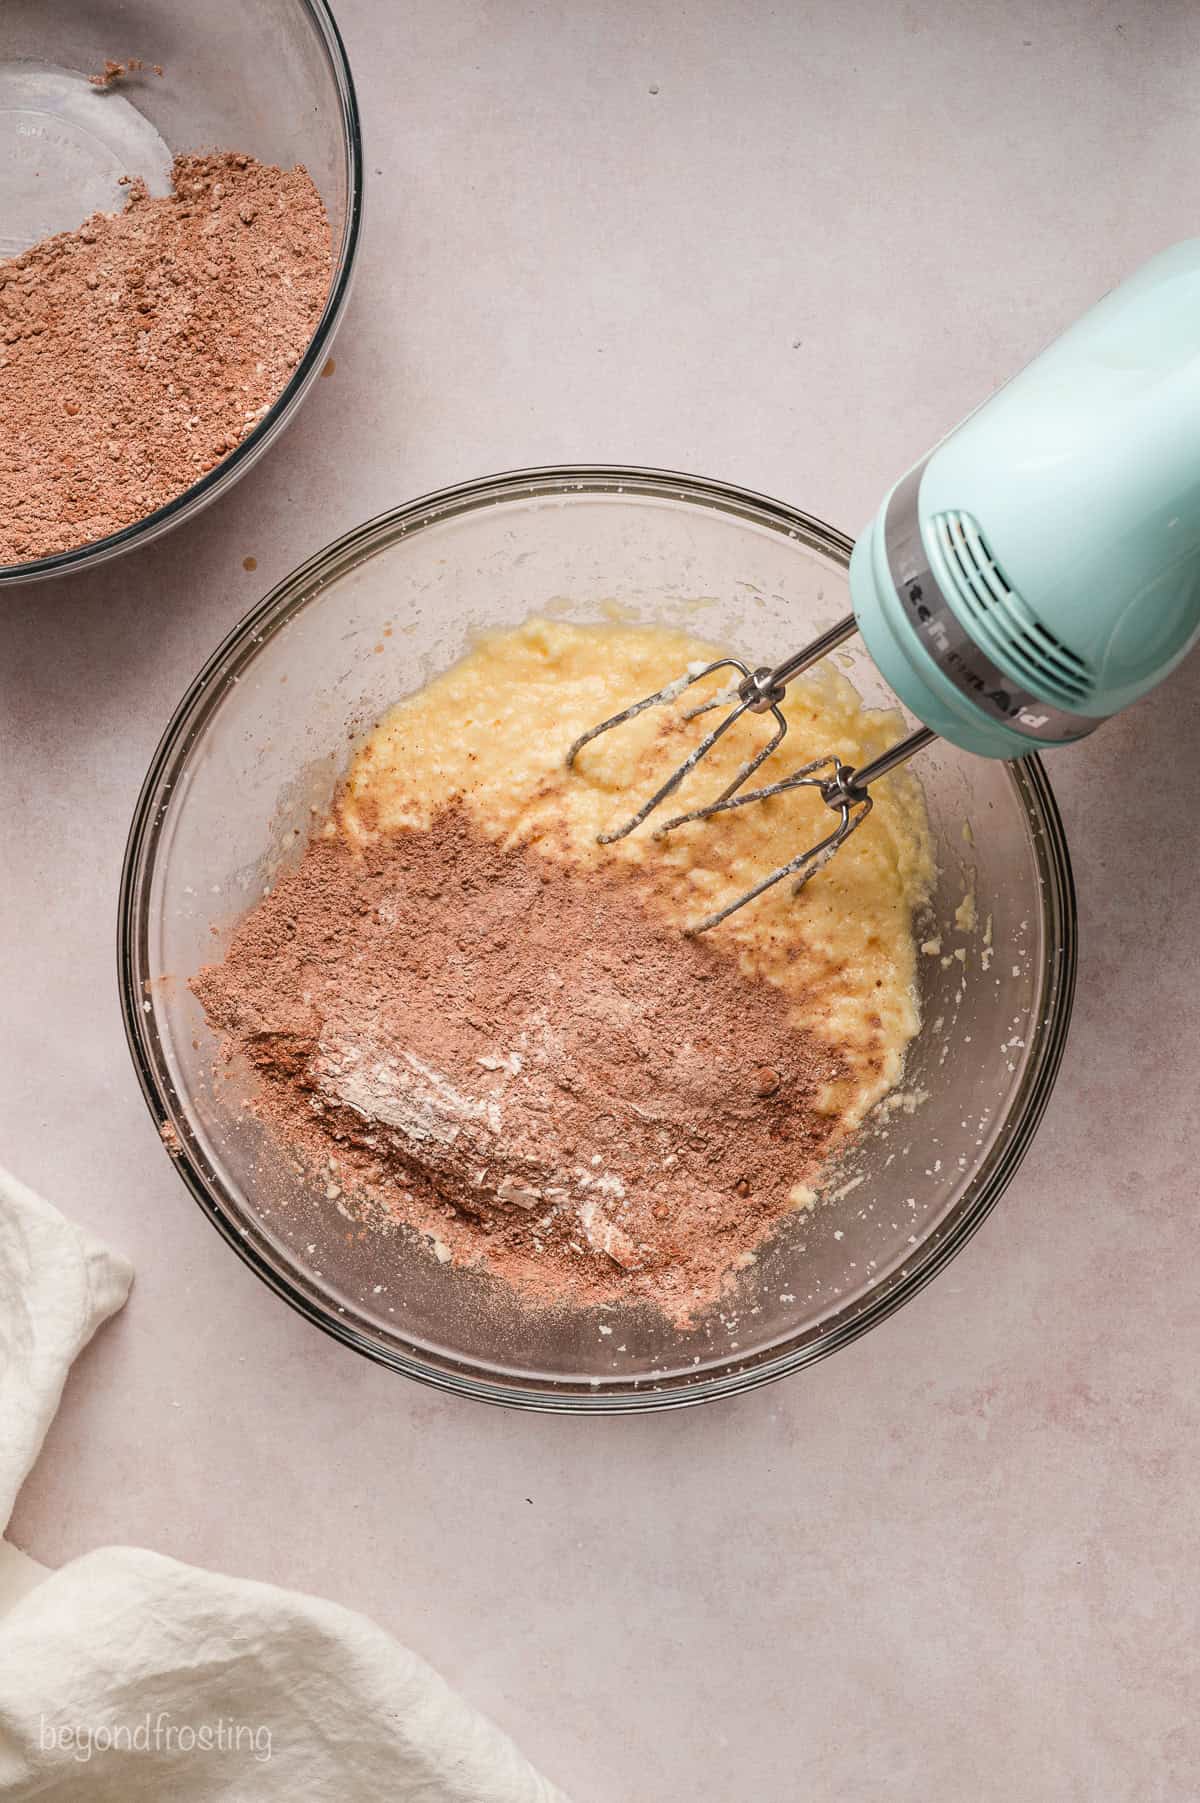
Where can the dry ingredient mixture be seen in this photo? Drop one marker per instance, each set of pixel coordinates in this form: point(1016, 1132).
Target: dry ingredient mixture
point(469, 1021)
point(138, 350)
point(488, 1043)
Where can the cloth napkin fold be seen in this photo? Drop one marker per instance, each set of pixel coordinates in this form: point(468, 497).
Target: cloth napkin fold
point(128, 1676)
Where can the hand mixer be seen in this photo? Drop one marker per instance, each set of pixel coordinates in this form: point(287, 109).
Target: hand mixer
point(1035, 573)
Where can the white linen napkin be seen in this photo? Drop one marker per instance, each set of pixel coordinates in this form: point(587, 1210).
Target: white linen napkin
point(126, 1676)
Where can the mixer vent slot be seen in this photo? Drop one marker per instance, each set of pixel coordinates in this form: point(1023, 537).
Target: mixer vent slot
point(1004, 624)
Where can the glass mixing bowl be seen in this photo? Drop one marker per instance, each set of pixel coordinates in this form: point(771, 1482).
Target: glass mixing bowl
point(269, 77)
point(259, 742)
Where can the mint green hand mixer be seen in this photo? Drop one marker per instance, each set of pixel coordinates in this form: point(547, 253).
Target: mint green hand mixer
point(1035, 573)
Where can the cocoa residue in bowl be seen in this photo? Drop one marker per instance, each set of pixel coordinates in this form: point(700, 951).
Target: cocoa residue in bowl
point(139, 350)
point(115, 72)
point(519, 1061)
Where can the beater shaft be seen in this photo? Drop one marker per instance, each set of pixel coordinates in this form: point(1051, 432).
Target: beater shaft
point(801, 661)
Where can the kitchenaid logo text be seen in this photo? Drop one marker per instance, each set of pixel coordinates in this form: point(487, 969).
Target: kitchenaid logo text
point(947, 654)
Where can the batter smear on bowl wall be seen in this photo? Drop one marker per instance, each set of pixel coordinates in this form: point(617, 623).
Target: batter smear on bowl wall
point(474, 1024)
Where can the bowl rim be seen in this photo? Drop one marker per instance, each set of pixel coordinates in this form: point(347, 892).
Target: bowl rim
point(1047, 1033)
point(223, 474)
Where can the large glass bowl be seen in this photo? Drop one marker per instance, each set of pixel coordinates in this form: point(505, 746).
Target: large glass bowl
point(260, 741)
point(269, 77)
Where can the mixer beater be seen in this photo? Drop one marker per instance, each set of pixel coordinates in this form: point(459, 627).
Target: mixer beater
point(760, 691)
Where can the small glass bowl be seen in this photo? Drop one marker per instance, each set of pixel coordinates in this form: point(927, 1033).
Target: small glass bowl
point(253, 756)
point(268, 77)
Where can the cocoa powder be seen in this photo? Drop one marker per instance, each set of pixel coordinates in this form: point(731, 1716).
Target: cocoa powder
point(140, 349)
point(515, 1059)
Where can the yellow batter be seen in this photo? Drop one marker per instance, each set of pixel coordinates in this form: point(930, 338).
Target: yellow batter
point(492, 733)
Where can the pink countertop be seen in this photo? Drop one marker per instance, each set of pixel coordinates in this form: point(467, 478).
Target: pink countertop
point(786, 246)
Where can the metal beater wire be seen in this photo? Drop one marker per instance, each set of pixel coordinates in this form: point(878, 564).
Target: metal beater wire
point(853, 813)
point(671, 693)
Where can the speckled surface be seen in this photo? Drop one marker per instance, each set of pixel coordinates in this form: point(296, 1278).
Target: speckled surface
point(788, 246)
